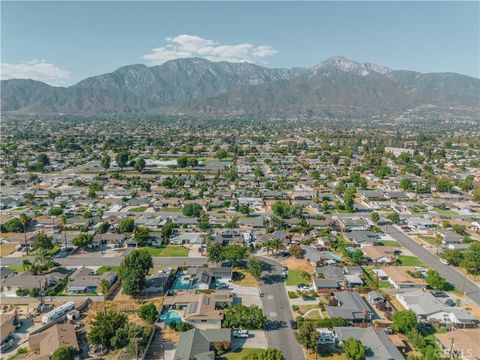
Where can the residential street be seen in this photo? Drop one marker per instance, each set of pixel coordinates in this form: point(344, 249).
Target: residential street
point(277, 309)
point(105, 261)
point(454, 277)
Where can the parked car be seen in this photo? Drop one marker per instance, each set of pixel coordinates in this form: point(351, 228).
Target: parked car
point(444, 262)
point(284, 268)
point(304, 287)
point(293, 324)
point(7, 346)
point(241, 333)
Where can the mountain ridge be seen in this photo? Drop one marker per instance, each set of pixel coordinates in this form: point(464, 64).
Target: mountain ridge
point(199, 85)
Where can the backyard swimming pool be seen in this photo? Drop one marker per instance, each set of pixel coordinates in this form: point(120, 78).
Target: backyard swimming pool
point(181, 283)
point(171, 316)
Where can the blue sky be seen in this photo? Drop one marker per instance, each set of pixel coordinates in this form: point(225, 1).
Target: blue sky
point(64, 42)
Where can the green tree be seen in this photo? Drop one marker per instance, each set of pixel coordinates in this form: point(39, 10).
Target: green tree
point(404, 321)
point(296, 251)
point(221, 154)
point(104, 287)
point(234, 253)
point(453, 256)
point(394, 217)
point(126, 225)
point(192, 162)
point(244, 209)
point(435, 281)
point(192, 210)
point(141, 234)
point(269, 354)
point(12, 225)
point(375, 217)
point(182, 162)
point(64, 353)
point(214, 252)
point(25, 220)
point(42, 160)
point(406, 184)
point(103, 330)
point(356, 256)
point(349, 199)
point(244, 317)
point(106, 162)
point(281, 209)
point(133, 271)
point(354, 349)
point(471, 260)
point(148, 313)
point(83, 240)
point(307, 335)
point(255, 267)
point(139, 165)
point(444, 184)
point(43, 241)
point(122, 159)
point(167, 230)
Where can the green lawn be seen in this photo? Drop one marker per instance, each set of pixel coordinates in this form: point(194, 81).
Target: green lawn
point(17, 268)
point(171, 209)
point(384, 284)
point(446, 211)
point(56, 248)
point(239, 354)
point(138, 209)
point(296, 277)
point(389, 243)
point(410, 261)
point(103, 269)
point(167, 251)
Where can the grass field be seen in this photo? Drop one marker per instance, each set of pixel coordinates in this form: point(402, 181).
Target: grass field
point(392, 243)
point(239, 354)
point(17, 268)
point(167, 251)
point(103, 269)
point(296, 277)
point(170, 209)
point(138, 209)
point(410, 261)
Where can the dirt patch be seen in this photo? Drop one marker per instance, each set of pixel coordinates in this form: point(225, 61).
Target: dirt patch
point(298, 264)
point(473, 309)
point(244, 278)
point(7, 248)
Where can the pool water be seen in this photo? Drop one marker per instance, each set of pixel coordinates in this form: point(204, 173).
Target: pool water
point(181, 283)
point(171, 316)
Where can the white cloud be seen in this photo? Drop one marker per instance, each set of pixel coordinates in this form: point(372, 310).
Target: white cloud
point(36, 70)
point(182, 46)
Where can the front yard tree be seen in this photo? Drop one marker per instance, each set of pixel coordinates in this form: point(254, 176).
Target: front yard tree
point(471, 261)
point(133, 271)
point(141, 234)
point(182, 162)
point(354, 349)
point(244, 317)
point(435, 281)
point(43, 241)
point(307, 335)
point(214, 252)
point(269, 354)
point(126, 225)
point(106, 162)
point(167, 230)
point(192, 210)
point(139, 165)
point(296, 251)
point(234, 253)
point(404, 321)
point(83, 240)
point(375, 217)
point(394, 217)
point(103, 331)
point(122, 159)
point(255, 267)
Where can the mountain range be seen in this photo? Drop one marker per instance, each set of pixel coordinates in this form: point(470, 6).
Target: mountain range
point(194, 85)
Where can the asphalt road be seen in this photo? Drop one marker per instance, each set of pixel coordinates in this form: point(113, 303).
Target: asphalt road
point(471, 288)
point(277, 309)
point(101, 261)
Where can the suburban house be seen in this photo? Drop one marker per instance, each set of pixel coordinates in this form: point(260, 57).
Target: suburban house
point(362, 238)
point(157, 283)
point(85, 281)
point(375, 298)
point(47, 341)
point(354, 223)
point(429, 308)
point(399, 277)
point(380, 254)
point(349, 306)
point(377, 343)
point(196, 344)
point(7, 324)
point(200, 309)
point(228, 237)
point(205, 277)
point(179, 238)
point(28, 281)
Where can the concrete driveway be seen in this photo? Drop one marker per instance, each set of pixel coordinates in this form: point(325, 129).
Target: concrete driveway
point(257, 339)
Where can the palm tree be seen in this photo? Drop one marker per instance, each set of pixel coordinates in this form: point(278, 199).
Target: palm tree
point(24, 220)
point(269, 245)
point(277, 244)
point(63, 221)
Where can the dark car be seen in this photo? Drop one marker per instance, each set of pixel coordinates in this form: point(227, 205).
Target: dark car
point(293, 324)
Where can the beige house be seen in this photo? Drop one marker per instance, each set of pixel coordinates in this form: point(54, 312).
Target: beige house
point(465, 343)
point(55, 337)
point(400, 278)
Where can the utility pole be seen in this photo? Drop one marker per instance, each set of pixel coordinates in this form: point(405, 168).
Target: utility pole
point(451, 349)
